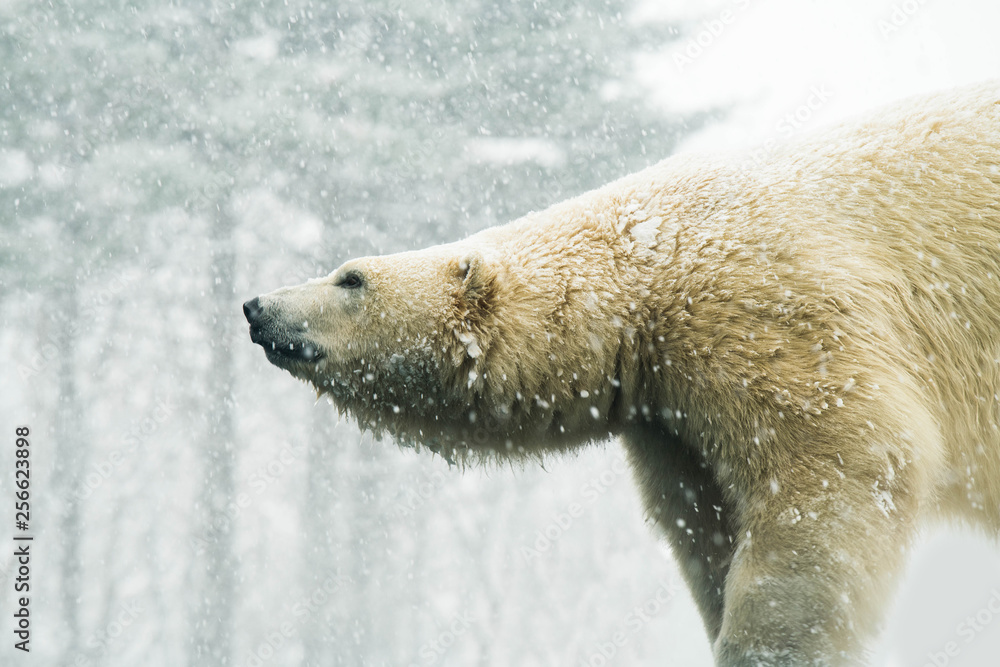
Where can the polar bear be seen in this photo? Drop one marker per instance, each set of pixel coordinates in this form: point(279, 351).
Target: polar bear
point(801, 358)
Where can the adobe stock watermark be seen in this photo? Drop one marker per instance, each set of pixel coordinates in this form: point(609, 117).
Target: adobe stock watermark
point(267, 474)
point(212, 178)
point(138, 434)
point(217, 186)
point(631, 624)
point(901, 14)
point(710, 30)
point(970, 627)
point(91, 312)
point(259, 480)
point(299, 613)
point(125, 102)
point(99, 644)
point(791, 123)
point(589, 492)
point(416, 497)
point(432, 651)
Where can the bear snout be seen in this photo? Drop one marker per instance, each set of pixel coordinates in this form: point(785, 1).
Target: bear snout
point(252, 309)
point(280, 342)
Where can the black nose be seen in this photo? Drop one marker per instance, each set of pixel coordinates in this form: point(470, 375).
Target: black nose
point(252, 309)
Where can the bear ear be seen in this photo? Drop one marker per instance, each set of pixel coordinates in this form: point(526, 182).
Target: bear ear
point(475, 274)
point(475, 300)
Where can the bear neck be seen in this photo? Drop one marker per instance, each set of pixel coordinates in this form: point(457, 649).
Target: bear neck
point(615, 316)
point(585, 290)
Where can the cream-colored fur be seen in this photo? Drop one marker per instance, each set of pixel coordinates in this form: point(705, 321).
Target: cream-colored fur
point(802, 358)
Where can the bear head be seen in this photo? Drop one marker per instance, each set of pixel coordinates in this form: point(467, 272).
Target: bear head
point(462, 348)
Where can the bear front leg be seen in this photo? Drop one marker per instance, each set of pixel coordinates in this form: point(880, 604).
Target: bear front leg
point(818, 549)
point(681, 494)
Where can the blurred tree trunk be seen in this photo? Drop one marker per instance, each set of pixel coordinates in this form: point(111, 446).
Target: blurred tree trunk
point(322, 633)
point(373, 606)
point(71, 445)
point(215, 565)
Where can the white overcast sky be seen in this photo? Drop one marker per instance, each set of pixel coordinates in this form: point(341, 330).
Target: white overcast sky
point(771, 53)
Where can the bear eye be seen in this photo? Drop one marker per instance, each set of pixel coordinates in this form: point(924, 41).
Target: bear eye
point(350, 281)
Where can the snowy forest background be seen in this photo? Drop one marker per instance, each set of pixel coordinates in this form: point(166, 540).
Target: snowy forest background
point(162, 162)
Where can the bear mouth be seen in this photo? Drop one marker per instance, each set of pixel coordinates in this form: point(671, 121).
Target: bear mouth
point(280, 351)
point(283, 345)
